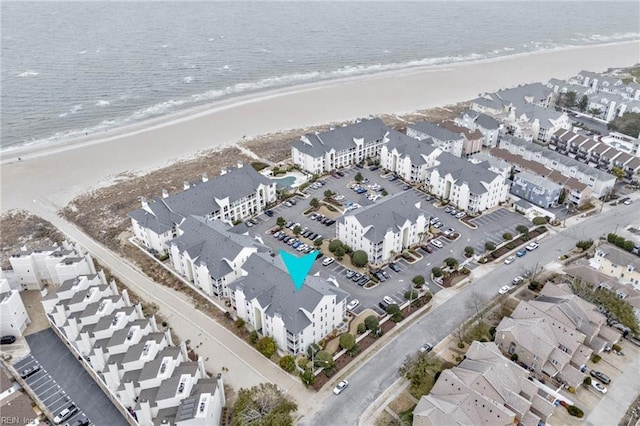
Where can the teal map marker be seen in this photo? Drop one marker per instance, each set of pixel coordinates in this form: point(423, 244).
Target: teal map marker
point(298, 267)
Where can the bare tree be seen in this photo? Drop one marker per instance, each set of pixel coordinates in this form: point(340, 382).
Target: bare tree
point(476, 303)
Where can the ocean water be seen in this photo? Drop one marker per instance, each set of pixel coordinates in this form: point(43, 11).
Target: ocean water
point(75, 68)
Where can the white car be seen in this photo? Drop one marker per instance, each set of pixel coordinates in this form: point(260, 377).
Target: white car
point(388, 300)
point(627, 202)
point(328, 261)
point(504, 289)
point(532, 246)
point(509, 260)
point(340, 387)
point(353, 304)
point(449, 231)
point(437, 243)
point(598, 386)
point(65, 414)
point(517, 280)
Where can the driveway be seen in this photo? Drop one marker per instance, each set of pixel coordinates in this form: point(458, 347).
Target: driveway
point(62, 381)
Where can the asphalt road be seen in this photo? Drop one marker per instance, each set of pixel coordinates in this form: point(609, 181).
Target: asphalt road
point(376, 375)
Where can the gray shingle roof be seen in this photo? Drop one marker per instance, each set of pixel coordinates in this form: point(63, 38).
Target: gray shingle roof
point(269, 283)
point(476, 176)
point(341, 138)
point(200, 199)
point(436, 132)
point(189, 406)
point(485, 122)
point(537, 91)
point(210, 243)
point(410, 147)
point(536, 180)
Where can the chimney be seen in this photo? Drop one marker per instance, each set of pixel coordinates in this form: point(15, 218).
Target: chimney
point(144, 202)
point(223, 171)
point(186, 185)
point(205, 177)
point(239, 164)
point(125, 296)
point(165, 193)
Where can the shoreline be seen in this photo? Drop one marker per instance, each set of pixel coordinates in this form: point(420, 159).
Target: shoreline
point(10, 155)
point(56, 175)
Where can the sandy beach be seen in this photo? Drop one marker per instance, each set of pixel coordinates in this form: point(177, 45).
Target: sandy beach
point(53, 176)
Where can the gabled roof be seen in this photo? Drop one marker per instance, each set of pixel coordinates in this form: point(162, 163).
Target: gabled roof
point(341, 138)
point(619, 257)
point(477, 177)
point(434, 131)
point(470, 135)
point(409, 147)
point(268, 282)
point(535, 91)
point(211, 244)
point(486, 122)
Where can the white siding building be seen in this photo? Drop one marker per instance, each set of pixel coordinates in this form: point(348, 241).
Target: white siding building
point(340, 147)
point(385, 228)
point(439, 136)
point(468, 186)
point(208, 255)
point(235, 195)
point(13, 315)
point(487, 125)
point(407, 157)
point(267, 299)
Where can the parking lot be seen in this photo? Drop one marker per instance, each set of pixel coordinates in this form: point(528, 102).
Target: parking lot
point(491, 226)
point(59, 380)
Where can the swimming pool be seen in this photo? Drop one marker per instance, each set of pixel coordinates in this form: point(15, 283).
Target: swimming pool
point(285, 181)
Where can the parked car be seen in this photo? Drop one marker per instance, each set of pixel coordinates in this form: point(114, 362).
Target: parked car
point(7, 340)
point(65, 414)
point(509, 260)
point(447, 209)
point(385, 274)
point(521, 253)
point(269, 213)
point(504, 289)
point(517, 280)
point(627, 202)
point(363, 281)
point(600, 376)
point(460, 215)
point(449, 231)
point(328, 261)
point(453, 212)
point(438, 225)
point(389, 300)
point(394, 267)
point(80, 422)
point(353, 304)
point(406, 187)
point(350, 273)
point(598, 386)
point(340, 387)
point(427, 347)
point(427, 249)
point(313, 216)
point(437, 243)
point(358, 165)
point(373, 168)
point(356, 277)
point(392, 178)
point(288, 203)
point(532, 246)
point(30, 371)
point(379, 276)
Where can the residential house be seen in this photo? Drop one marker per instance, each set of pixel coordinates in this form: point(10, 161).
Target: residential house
point(485, 124)
point(496, 165)
point(536, 189)
point(599, 181)
point(407, 157)
point(209, 255)
point(484, 389)
point(449, 141)
point(13, 315)
point(37, 268)
point(266, 298)
point(385, 228)
point(236, 194)
point(617, 263)
point(148, 378)
point(468, 186)
point(472, 139)
point(535, 123)
point(322, 152)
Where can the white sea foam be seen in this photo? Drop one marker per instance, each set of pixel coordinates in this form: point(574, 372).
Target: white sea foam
point(28, 73)
point(188, 79)
point(82, 52)
point(211, 39)
point(165, 45)
point(76, 108)
point(63, 115)
point(103, 103)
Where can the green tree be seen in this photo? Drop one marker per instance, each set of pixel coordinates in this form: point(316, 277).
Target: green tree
point(507, 236)
point(324, 360)
point(418, 280)
point(253, 337)
point(264, 404)
point(359, 258)
point(297, 230)
point(594, 111)
point(358, 178)
point(384, 192)
point(539, 220)
point(361, 328)
point(394, 310)
point(437, 272)
point(371, 323)
point(288, 363)
point(334, 244)
point(522, 229)
point(267, 346)
point(468, 251)
point(569, 100)
point(618, 172)
point(280, 221)
point(411, 295)
point(489, 246)
point(583, 104)
point(420, 370)
point(347, 341)
point(563, 196)
point(314, 203)
point(339, 252)
point(451, 262)
point(629, 124)
point(307, 377)
point(318, 242)
point(328, 193)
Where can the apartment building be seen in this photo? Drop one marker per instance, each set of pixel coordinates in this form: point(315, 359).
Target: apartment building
point(266, 298)
point(535, 189)
point(484, 388)
point(385, 228)
point(617, 263)
point(599, 181)
point(13, 315)
point(440, 136)
point(488, 126)
point(407, 157)
point(238, 193)
point(208, 255)
point(468, 186)
point(343, 146)
point(152, 381)
point(34, 269)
